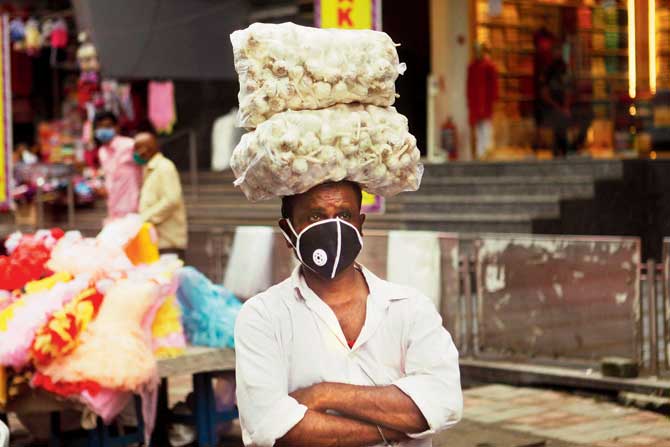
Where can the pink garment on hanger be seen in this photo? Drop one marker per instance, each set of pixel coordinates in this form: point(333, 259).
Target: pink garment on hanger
point(162, 113)
point(59, 37)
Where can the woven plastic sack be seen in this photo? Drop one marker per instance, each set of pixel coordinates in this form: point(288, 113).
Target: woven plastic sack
point(295, 151)
point(291, 67)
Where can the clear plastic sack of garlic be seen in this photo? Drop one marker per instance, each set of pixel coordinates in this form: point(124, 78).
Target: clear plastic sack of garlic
point(291, 67)
point(296, 150)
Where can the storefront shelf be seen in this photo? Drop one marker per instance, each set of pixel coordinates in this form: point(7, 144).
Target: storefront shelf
point(613, 29)
point(516, 74)
point(505, 25)
point(516, 98)
point(514, 50)
point(608, 77)
point(566, 4)
point(621, 52)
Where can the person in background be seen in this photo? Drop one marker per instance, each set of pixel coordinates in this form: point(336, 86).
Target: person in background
point(123, 178)
point(556, 92)
point(161, 199)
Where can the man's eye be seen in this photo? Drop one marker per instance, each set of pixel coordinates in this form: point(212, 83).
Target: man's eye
point(345, 215)
point(314, 218)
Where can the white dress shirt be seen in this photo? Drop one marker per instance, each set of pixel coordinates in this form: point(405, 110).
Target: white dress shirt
point(287, 338)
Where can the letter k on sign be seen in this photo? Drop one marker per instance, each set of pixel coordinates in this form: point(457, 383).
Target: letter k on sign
point(344, 17)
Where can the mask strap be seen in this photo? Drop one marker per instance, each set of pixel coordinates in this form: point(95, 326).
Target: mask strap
point(339, 247)
point(283, 233)
point(288, 239)
point(288, 221)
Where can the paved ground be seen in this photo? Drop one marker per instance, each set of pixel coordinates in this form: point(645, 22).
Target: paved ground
point(576, 420)
point(506, 416)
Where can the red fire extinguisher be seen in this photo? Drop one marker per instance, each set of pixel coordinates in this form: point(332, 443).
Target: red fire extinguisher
point(449, 139)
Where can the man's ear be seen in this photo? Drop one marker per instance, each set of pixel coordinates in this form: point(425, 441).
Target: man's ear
point(288, 234)
point(361, 221)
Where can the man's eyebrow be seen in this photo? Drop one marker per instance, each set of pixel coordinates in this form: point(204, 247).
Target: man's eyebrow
point(345, 207)
point(316, 209)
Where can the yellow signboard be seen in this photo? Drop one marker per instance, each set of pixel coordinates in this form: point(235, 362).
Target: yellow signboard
point(353, 14)
point(348, 14)
point(5, 115)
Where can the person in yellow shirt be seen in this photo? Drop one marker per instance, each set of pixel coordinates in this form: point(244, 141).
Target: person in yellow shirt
point(161, 199)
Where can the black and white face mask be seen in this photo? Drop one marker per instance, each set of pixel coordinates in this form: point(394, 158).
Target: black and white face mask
point(326, 247)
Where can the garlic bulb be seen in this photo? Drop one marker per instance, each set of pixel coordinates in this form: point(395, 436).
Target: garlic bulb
point(322, 67)
point(294, 151)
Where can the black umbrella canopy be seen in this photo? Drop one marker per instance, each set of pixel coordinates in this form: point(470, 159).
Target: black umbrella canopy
point(171, 39)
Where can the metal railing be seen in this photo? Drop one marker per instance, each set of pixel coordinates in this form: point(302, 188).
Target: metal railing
point(607, 303)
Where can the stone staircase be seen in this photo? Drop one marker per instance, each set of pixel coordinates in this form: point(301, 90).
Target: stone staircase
point(464, 197)
point(501, 197)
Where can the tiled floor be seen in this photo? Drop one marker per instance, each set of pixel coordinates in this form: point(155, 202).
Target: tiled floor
point(506, 416)
point(566, 417)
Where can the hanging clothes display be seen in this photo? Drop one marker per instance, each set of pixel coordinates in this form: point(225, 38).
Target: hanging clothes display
point(482, 92)
point(17, 30)
point(162, 111)
point(89, 95)
point(33, 36)
point(117, 99)
point(482, 89)
point(58, 36)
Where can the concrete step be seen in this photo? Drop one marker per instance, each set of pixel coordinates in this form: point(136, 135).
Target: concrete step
point(509, 179)
point(452, 185)
point(596, 168)
point(546, 206)
point(472, 227)
point(576, 166)
point(568, 189)
point(219, 209)
point(204, 225)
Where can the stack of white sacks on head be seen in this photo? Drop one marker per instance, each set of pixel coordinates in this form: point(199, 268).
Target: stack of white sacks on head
point(318, 102)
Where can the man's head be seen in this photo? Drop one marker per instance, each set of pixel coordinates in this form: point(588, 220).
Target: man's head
point(105, 126)
point(328, 247)
point(146, 146)
point(326, 201)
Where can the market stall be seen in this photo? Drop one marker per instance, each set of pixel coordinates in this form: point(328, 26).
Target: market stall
point(86, 320)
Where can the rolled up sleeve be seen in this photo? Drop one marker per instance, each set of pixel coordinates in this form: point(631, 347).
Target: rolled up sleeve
point(432, 377)
point(267, 412)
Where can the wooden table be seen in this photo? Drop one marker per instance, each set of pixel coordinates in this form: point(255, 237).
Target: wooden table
point(196, 360)
point(203, 364)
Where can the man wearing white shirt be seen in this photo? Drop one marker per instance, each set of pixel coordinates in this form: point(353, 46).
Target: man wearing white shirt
point(334, 356)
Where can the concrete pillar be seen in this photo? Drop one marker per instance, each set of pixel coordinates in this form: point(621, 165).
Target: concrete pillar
point(450, 54)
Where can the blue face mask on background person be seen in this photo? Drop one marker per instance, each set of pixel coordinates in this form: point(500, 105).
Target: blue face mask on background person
point(104, 134)
point(327, 247)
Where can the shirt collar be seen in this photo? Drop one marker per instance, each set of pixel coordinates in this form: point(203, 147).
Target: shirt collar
point(382, 292)
point(155, 160)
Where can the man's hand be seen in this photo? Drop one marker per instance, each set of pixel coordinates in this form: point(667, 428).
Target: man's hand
point(313, 397)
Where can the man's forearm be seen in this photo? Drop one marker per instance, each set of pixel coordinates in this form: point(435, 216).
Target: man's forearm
point(386, 405)
point(324, 430)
